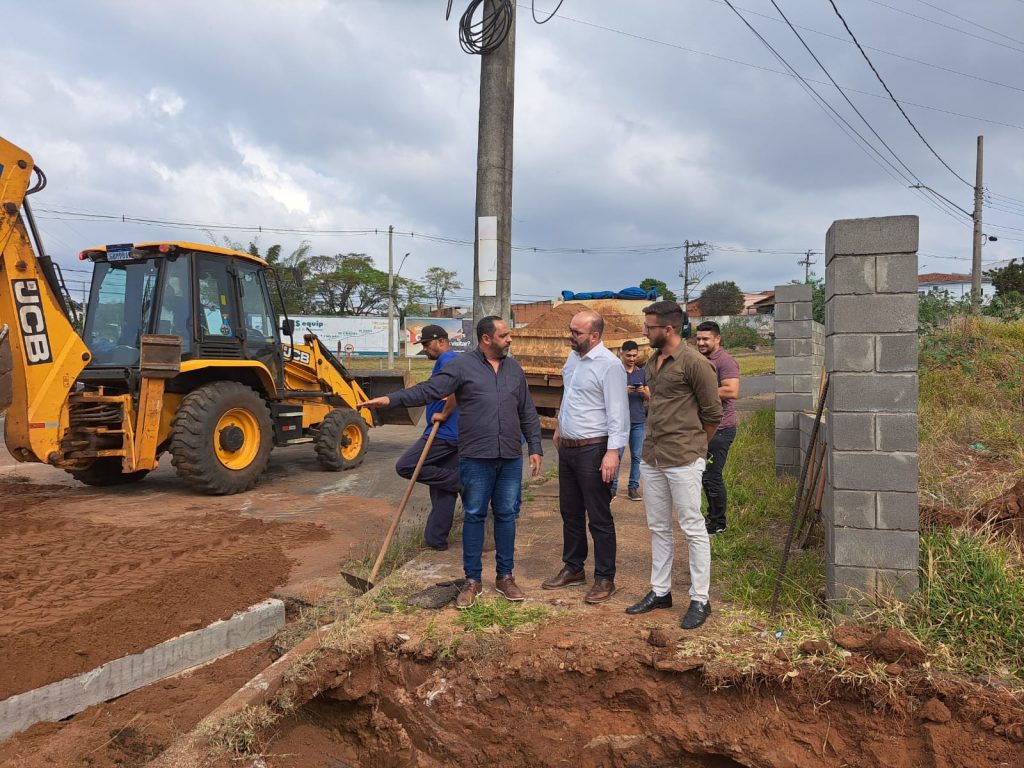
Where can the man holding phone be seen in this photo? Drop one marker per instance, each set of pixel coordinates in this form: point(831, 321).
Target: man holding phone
point(639, 394)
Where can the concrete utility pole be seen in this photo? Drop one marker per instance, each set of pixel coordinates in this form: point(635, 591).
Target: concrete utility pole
point(492, 267)
point(697, 257)
point(807, 264)
point(976, 260)
point(391, 297)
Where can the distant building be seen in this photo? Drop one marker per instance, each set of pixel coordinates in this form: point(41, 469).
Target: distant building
point(759, 303)
point(957, 285)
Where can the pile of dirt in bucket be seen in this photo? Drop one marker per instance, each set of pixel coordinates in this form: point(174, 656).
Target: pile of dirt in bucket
point(424, 692)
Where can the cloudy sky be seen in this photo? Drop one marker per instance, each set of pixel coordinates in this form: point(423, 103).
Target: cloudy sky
point(638, 125)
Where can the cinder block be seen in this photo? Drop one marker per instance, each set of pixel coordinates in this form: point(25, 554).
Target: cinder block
point(896, 432)
point(783, 383)
point(886, 392)
point(866, 471)
point(897, 584)
point(793, 402)
point(896, 550)
point(896, 352)
point(850, 586)
point(791, 365)
point(851, 431)
point(883, 235)
point(796, 329)
point(783, 312)
point(803, 310)
point(853, 275)
point(896, 273)
point(792, 292)
point(850, 352)
point(898, 511)
point(787, 456)
point(805, 383)
point(787, 438)
point(785, 420)
point(851, 509)
point(878, 313)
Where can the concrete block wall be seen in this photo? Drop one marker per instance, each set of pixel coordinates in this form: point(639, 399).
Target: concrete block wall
point(870, 506)
point(798, 360)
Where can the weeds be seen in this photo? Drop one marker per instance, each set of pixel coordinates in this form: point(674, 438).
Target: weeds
point(242, 734)
point(755, 365)
point(500, 613)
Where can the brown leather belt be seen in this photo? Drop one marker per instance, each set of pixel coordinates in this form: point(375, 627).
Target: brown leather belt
point(585, 441)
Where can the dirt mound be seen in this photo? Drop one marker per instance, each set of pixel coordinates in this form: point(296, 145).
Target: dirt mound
point(405, 695)
point(1004, 515)
point(87, 578)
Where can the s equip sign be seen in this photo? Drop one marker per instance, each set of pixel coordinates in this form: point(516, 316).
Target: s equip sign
point(32, 321)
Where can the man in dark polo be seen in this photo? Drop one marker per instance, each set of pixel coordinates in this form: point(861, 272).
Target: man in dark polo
point(495, 412)
point(683, 413)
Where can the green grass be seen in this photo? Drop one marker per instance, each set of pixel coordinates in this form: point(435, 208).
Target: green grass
point(971, 601)
point(420, 367)
point(755, 365)
point(746, 556)
point(500, 613)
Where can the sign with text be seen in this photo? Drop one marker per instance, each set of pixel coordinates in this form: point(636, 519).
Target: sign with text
point(367, 336)
point(460, 333)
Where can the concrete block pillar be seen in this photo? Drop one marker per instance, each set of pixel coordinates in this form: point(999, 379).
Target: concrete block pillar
point(870, 507)
point(796, 371)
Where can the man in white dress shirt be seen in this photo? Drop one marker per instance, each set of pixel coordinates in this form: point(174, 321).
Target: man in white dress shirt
point(593, 424)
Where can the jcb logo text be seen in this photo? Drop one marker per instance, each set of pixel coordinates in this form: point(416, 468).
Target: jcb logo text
point(32, 321)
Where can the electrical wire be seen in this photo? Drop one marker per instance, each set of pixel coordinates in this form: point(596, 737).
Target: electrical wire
point(894, 100)
point(972, 23)
point(533, 10)
point(488, 34)
point(945, 26)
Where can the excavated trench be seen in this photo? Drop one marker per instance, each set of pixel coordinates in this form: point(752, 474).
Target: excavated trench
point(543, 701)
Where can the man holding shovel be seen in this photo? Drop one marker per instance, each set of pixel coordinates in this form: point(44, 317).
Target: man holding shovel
point(440, 469)
point(495, 412)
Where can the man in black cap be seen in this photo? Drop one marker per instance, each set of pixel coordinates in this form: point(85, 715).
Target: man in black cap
point(440, 471)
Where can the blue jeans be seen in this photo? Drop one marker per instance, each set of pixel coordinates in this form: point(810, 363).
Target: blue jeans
point(496, 483)
point(636, 444)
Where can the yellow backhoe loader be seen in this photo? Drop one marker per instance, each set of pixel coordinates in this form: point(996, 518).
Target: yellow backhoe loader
point(180, 352)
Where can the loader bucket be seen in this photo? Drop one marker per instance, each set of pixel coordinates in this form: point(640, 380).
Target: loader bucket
point(377, 383)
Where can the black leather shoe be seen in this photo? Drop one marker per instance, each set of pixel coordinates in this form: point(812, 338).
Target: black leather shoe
point(650, 602)
point(696, 614)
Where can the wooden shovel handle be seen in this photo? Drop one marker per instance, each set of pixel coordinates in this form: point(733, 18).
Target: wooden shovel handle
point(405, 500)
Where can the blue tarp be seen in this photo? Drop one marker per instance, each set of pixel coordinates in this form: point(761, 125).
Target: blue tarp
point(625, 293)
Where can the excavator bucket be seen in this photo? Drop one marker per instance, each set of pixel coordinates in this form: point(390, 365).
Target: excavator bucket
point(378, 383)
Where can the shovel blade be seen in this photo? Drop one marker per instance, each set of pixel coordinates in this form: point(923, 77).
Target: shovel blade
point(358, 584)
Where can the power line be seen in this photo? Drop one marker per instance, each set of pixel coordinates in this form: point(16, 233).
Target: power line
point(894, 101)
point(972, 23)
point(945, 26)
point(883, 51)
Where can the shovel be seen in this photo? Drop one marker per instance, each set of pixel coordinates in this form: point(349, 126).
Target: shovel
point(365, 585)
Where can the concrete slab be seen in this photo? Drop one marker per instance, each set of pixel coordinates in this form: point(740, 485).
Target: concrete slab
point(68, 697)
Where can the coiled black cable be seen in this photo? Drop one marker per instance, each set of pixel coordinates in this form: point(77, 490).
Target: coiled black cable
point(487, 34)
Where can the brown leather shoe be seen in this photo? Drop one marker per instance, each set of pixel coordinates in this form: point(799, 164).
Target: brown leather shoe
point(565, 578)
point(602, 590)
point(506, 586)
point(467, 597)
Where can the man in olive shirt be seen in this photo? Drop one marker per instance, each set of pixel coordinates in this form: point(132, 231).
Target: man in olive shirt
point(683, 413)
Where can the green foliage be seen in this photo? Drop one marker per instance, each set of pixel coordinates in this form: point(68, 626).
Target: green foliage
point(500, 613)
point(1006, 306)
point(1008, 279)
point(971, 600)
point(659, 286)
point(737, 334)
point(817, 296)
point(936, 309)
point(439, 283)
point(723, 298)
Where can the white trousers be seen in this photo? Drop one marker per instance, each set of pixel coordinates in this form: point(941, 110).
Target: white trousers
point(665, 487)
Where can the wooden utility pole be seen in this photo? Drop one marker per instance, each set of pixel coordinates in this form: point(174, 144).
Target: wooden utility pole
point(976, 254)
point(492, 268)
point(697, 257)
point(807, 264)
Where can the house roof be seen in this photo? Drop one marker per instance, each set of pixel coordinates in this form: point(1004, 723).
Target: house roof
point(941, 278)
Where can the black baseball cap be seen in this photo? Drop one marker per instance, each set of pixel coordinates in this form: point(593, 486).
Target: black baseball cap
point(431, 332)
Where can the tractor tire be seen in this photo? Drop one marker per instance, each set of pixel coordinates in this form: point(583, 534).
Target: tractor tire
point(221, 438)
point(106, 471)
point(342, 440)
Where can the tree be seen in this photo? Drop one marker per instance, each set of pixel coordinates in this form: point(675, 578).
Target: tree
point(439, 282)
point(817, 296)
point(1007, 279)
point(724, 298)
point(659, 287)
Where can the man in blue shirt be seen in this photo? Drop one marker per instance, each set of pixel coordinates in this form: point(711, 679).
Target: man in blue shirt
point(639, 394)
point(440, 471)
point(496, 413)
